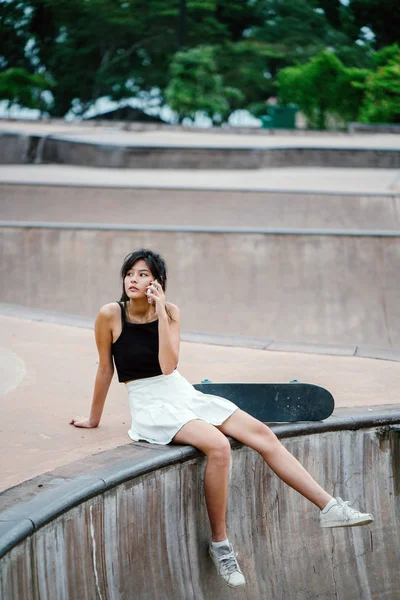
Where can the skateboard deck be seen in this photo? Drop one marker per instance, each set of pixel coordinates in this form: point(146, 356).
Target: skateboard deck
point(275, 402)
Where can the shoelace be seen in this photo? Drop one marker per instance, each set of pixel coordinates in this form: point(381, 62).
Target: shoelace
point(348, 511)
point(229, 563)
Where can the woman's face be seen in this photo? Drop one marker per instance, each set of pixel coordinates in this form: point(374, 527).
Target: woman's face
point(137, 280)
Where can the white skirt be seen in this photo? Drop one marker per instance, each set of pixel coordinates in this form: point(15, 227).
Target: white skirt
point(161, 405)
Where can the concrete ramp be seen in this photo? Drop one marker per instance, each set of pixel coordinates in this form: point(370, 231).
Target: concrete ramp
point(203, 207)
point(299, 286)
point(137, 527)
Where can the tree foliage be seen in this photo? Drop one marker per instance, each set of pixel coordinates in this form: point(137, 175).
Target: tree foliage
point(195, 85)
point(322, 88)
point(122, 49)
point(14, 35)
point(20, 88)
point(382, 89)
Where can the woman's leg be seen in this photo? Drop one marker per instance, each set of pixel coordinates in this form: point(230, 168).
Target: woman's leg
point(251, 432)
point(217, 448)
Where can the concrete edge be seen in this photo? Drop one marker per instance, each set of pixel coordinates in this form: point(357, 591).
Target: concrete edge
point(197, 229)
point(23, 519)
point(351, 350)
point(66, 138)
point(95, 123)
point(189, 188)
point(143, 126)
point(22, 134)
point(13, 533)
point(160, 148)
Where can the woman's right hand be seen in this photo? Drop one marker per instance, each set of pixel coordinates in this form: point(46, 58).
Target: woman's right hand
point(82, 422)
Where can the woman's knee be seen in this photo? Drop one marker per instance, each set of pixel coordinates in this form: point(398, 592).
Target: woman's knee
point(258, 429)
point(219, 450)
point(263, 439)
point(267, 432)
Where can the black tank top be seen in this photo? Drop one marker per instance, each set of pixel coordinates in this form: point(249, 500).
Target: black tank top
point(135, 352)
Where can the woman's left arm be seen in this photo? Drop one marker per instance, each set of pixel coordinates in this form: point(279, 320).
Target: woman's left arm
point(168, 339)
point(168, 329)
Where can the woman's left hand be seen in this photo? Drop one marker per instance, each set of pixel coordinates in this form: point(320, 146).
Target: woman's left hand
point(156, 294)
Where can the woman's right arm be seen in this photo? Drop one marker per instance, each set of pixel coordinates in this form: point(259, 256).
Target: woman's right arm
point(105, 371)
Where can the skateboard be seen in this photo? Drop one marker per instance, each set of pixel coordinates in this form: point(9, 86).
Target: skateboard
point(275, 402)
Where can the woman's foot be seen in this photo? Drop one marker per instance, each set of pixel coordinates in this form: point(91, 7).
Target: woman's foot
point(339, 514)
point(224, 559)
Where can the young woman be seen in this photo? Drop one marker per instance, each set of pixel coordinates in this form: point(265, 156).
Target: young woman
point(141, 332)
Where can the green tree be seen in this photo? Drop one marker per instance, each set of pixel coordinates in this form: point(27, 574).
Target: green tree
point(123, 48)
point(299, 28)
point(246, 66)
point(23, 89)
point(322, 88)
point(14, 34)
point(196, 86)
point(386, 55)
point(382, 88)
point(97, 48)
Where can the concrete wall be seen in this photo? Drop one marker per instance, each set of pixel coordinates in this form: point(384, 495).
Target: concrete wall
point(340, 289)
point(146, 157)
point(214, 208)
point(20, 149)
point(147, 538)
point(374, 128)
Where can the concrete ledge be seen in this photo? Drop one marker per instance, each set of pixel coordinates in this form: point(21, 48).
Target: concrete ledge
point(21, 519)
point(134, 126)
point(331, 349)
point(26, 183)
point(199, 229)
point(55, 501)
point(12, 531)
point(18, 149)
point(65, 150)
point(157, 157)
point(54, 123)
point(379, 353)
point(374, 128)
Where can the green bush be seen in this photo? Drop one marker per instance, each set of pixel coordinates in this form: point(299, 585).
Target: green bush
point(196, 86)
point(322, 88)
point(19, 87)
point(382, 88)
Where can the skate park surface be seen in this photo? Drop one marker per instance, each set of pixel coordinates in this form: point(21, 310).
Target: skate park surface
point(62, 484)
point(39, 396)
point(129, 520)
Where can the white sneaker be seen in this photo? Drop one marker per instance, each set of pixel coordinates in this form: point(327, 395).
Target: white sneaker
point(339, 514)
point(225, 562)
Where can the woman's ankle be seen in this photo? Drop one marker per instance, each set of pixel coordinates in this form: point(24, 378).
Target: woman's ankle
point(220, 543)
point(221, 537)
